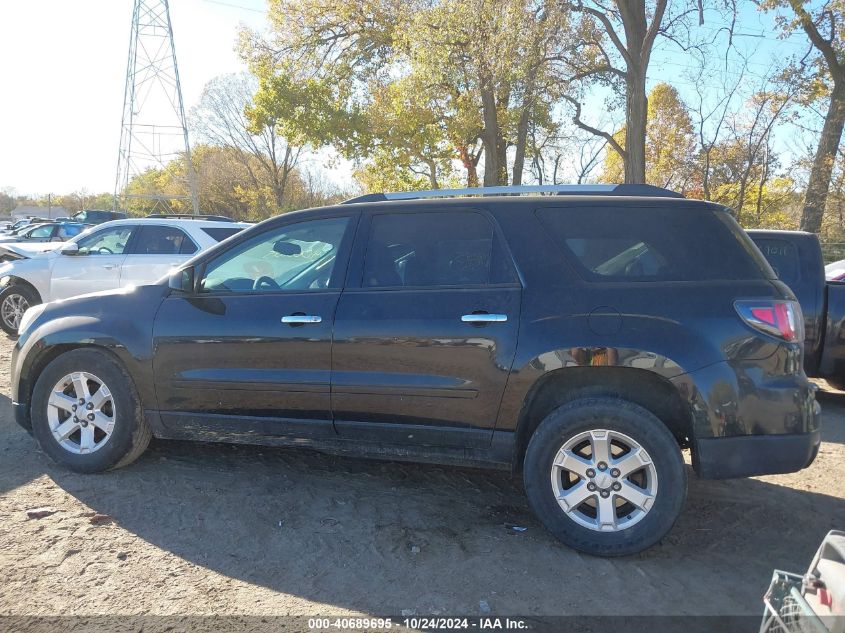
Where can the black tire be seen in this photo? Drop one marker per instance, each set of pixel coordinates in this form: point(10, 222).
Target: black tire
point(10, 293)
point(638, 424)
point(130, 435)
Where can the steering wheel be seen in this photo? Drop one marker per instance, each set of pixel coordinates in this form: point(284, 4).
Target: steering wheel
point(265, 281)
point(105, 251)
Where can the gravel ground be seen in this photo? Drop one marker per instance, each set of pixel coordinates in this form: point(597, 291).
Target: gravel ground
point(214, 529)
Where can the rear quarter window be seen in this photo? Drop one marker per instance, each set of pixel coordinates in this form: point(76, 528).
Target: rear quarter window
point(653, 244)
point(219, 234)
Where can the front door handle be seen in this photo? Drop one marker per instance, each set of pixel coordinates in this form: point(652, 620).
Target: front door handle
point(301, 319)
point(109, 266)
point(483, 317)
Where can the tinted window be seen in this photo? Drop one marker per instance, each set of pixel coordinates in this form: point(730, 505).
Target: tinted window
point(433, 249)
point(219, 234)
point(652, 244)
point(163, 240)
point(69, 230)
point(42, 230)
point(783, 256)
point(111, 241)
point(299, 256)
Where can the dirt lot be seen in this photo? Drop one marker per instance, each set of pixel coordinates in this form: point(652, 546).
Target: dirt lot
point(210, 529)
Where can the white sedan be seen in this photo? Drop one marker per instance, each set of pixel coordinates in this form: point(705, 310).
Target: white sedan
point(112, 255)
point(835, 271)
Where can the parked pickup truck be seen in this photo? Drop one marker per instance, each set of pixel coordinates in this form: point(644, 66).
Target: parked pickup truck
point(797, 259)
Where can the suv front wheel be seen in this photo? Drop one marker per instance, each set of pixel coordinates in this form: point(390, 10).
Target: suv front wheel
point(86, 414)
point(605, 476)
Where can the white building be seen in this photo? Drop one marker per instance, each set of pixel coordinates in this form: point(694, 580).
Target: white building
point(25, 211)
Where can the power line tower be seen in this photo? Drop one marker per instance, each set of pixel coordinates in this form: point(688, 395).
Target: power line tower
point(153, 131)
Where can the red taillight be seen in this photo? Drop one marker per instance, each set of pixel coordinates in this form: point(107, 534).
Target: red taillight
point(778, 318)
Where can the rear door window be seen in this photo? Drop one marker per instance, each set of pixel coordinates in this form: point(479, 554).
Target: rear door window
point(653, 244)
point(163, 240)
point(434, 249)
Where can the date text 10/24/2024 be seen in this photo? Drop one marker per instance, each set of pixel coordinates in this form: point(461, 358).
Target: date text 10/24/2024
point(420, 624)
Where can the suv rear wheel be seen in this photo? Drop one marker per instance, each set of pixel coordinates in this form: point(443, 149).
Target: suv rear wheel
point(605, 476)
point(14, 301)
point(86, 414)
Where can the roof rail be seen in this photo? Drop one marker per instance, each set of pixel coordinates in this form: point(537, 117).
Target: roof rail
point(189, 216)
point(513, 190)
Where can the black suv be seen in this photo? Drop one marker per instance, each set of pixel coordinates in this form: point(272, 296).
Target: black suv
point(582, 339)
point(98, 216)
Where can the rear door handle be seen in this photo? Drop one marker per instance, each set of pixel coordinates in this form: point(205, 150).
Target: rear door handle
point(109, 266)
point(484, 318)
point(300, 319)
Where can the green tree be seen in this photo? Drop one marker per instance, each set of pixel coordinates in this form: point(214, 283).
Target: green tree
point(413, 85)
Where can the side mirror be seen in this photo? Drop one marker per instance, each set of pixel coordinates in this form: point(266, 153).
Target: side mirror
point(287, 248)
point(71, 248)
point(182, 280)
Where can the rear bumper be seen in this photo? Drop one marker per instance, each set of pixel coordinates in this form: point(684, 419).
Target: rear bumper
point(750, 455)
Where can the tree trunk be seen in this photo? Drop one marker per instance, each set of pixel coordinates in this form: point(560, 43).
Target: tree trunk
point(636, 119)
point(521, 142)
point(490, 135)
point(469, 164)
point(819, 184)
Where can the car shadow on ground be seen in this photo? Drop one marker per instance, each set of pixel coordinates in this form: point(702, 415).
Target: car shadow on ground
point(372, 536)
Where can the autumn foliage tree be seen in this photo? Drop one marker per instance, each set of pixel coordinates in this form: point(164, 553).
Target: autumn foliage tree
point(670, 147)
point(823, 27)
point(413, 86)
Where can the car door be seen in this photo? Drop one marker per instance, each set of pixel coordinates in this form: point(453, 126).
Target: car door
point(249, 351)
point(154, 251)
point(95, 266)
point(426, 330)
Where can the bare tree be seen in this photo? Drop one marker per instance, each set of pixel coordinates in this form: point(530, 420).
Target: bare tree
point(632, 28)
point(829, 46)
point(220, 119)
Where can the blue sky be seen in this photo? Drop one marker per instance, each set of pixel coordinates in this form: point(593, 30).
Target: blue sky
point(62, 68)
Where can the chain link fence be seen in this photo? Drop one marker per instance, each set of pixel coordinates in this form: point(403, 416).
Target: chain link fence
point(833, 251)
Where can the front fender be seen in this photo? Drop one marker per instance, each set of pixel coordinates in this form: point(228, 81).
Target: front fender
point(120, 322)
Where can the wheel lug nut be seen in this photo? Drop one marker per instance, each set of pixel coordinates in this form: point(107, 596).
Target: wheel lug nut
point(591, 473)
point(591, 487)
point(602, 466)
point(617, 486)
point(73, 408)
point(89, 406)
point(614, 472)
point(605, 494)
point(82, 401)
point(91, 416)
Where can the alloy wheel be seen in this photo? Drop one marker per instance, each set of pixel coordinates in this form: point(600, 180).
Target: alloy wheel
point(81, 413)
point(12, 310)
point(604, 480)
